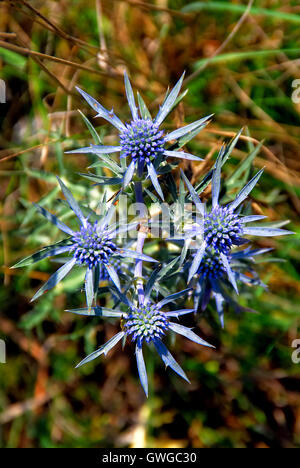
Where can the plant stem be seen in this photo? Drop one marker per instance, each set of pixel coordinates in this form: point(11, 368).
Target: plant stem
point(138, 272)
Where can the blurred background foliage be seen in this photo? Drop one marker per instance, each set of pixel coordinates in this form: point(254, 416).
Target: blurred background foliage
point(241, 67)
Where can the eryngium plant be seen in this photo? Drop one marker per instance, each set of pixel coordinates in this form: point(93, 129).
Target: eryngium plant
point(214, 256)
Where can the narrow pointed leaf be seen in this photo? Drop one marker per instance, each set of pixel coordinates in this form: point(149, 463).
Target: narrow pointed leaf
point(128, 174)
point(113, 275)
point(229, 272)
point(107, 218)
point(230, 147)
point(141, 368)
point(97, 312)
point(157, 275)
point(106, 161)
point(275, 224)
point(188, 333)
point(107, 181)
point(105, 149)
point(54, 220)
point(103, 350)
point(167, 268)
point(216, 182)
point(194, 195)
point(55, 278)
point(250, 253)
point(219, 305)
point(128, 227)
point(102, 112)
point(252, 218)
point(184, 251)
point(244, 166)
point(154, 179)
point(72, 202)
point(245, 191)
point(169, 102)
point(182, 141)
point(199, 124)
point(48, 251)
point(91, 128)
point(145, 114)
point(133, 254)
point(130, 97)
point(197, 261)
point(265, 231)
point(168, 359)
point(172, 297)
point(178, 313)
point(89, 287)
point(84, 150)
point(121, 297)
point(151, 282)
point(182, 155)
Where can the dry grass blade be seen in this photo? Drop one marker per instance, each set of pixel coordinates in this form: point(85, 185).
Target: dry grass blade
point(77, 66)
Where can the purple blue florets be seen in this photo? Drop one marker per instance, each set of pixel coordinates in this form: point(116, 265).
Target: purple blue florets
point(211, 266)
point(142, 140)
point(145, 323)
point(91, 247)
point(222, 229)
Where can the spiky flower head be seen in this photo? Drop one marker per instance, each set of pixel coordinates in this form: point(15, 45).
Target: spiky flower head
point(211, 279)
point(211, 266)
point(141, 141)
point(222, 229)
point(145, 323)
point(92, 246)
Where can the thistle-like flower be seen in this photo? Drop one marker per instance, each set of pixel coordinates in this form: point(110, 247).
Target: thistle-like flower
point(141, 141)
point(92, 246)
point(144, 322)
point(211, 278)
point(222, 227)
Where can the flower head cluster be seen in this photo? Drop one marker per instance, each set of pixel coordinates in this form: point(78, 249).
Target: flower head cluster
point(141, 141)
point(217, 229)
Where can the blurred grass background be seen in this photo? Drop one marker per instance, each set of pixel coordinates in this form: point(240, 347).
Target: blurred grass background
point(239, 66)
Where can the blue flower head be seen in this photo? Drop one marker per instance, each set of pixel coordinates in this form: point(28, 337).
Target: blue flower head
point(141, 141)
point(211, 278)
point(144, 323)
point(223, 227)
point(92, 247)
point(211, 266)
